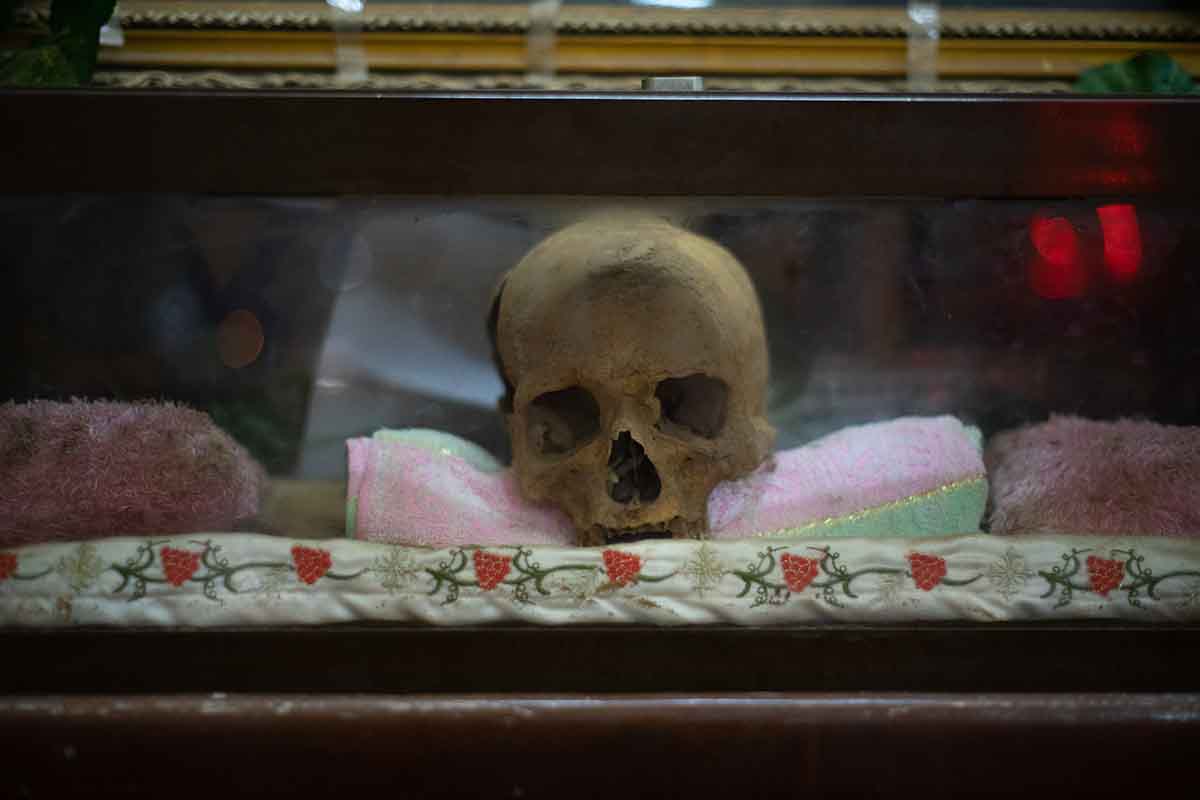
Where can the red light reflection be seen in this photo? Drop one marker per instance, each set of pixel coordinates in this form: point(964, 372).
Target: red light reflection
point(1122, 241)
point(1057, 271)
point(1055, 239)
point(1126, 134)
point(239, 339)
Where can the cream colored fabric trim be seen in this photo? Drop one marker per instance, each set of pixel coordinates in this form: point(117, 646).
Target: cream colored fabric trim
point(245, 579)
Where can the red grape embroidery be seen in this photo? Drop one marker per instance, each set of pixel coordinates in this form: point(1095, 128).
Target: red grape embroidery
point(622, 568)
point(1124, 570)
point(927, 571)
point(490, 569)
point(8, 565)
point(214, 571)
point(179, 565)
point(312, 564)
point(1104, 574)
point(798, 572)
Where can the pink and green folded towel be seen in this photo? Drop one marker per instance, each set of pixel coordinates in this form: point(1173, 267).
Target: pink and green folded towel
point(904, 477)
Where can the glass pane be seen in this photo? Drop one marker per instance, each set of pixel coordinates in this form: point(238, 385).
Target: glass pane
point(299, 322)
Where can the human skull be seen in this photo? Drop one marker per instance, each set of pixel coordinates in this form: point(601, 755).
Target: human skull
point(636, 363)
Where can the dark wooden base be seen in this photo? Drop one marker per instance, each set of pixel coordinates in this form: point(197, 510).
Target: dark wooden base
point(389, 659)
point(752, 745)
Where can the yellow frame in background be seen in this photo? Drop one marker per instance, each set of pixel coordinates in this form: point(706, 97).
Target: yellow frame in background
point(454, 37)
point(642, 54)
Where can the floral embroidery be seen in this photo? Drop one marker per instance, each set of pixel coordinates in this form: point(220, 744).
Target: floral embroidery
point(927, 571)
point(490, 569)
point(271, 583)
point(8, 569)
point(756, 576)
point(1009, 574)
point(311, 563)
point(1143, 577)
point(622, 568)
point(1191, 596)
point(179, 565)
point(892, 592)
point(1104, 574)
point(798, 572)
point(82, 568)
point(768, 592)
point(704, 569)
point(1059, 579)
point(577, 587)
point(891, 578)
point(396, 569)
point(446, 575)
point(8, 565)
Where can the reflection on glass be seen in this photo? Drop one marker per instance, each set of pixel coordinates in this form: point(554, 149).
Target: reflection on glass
point(300, 322)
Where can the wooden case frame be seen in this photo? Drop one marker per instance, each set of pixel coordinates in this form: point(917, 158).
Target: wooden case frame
point(80, 686)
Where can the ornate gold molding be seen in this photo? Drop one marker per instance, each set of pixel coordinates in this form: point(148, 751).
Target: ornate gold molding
point(641, 21)
point(462, 38)
point(726, 55)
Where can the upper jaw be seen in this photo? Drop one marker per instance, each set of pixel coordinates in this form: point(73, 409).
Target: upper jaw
point(626, 536)
point(675, 528)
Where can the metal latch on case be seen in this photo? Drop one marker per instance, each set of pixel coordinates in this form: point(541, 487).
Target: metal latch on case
point(689, 83)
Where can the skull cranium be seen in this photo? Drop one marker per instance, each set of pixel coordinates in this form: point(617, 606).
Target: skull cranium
point(636, 362)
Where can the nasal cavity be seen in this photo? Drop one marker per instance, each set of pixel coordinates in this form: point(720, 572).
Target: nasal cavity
point(631, 475)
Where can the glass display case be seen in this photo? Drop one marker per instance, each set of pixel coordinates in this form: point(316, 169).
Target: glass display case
point(308, 268)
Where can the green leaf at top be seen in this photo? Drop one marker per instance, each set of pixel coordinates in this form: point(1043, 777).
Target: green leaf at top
point(80, 14)
point(1153, 72)
point(76, 27)
point(44, 65)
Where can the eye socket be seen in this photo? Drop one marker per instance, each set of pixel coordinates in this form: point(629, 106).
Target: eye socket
point(558, 422)
point(696, 403)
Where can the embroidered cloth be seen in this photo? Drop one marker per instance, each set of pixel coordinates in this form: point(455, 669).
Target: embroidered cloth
point(249, 579)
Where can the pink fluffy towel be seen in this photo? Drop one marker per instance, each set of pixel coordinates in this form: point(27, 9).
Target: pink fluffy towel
point(1076, 476)
point(85, 470)
point(905, 476)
